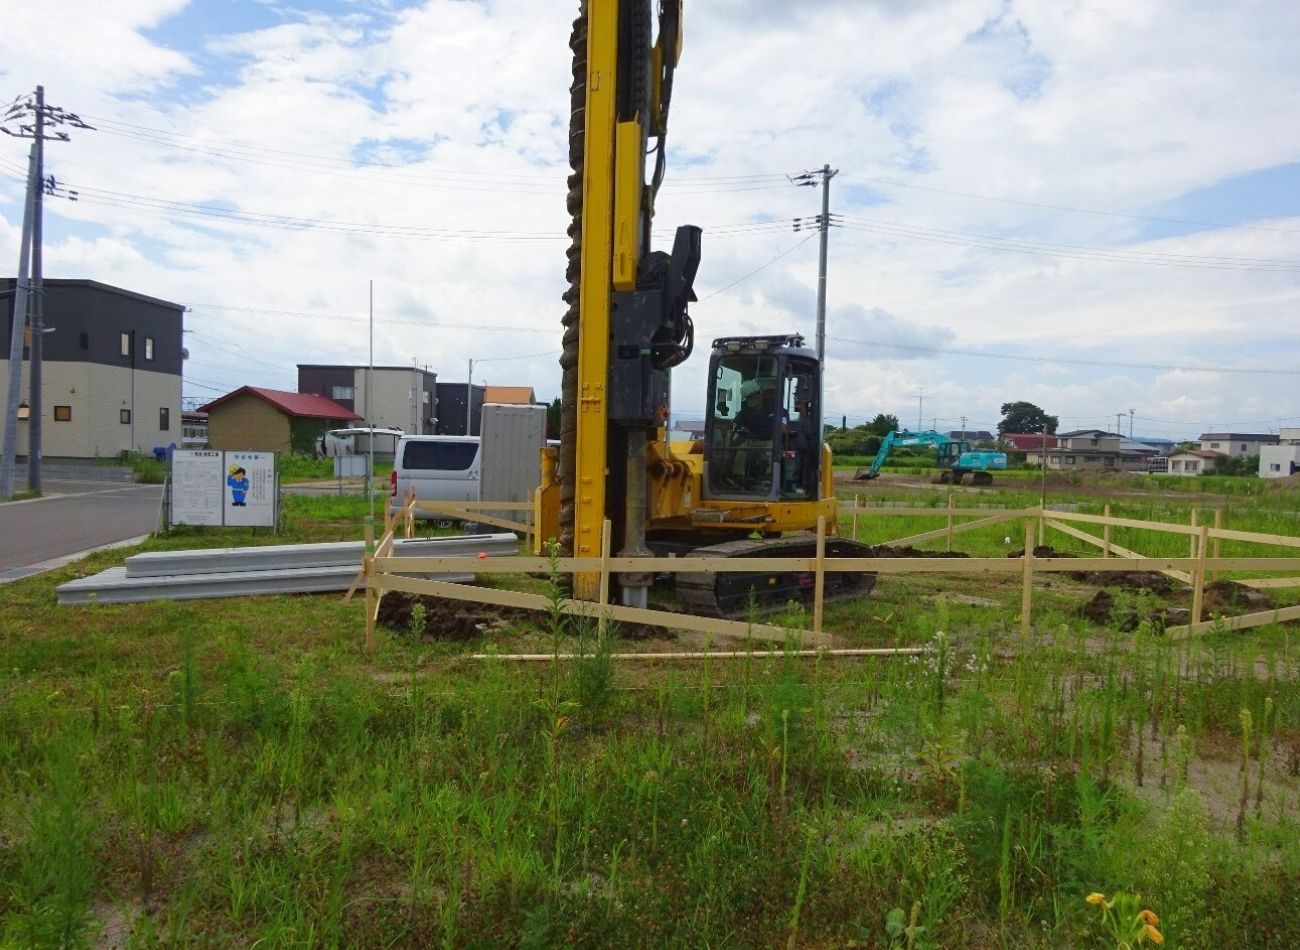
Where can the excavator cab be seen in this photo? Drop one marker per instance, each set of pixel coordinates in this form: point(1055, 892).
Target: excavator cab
point(762, 432)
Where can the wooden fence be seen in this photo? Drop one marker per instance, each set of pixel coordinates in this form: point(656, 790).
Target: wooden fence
point(383, 572)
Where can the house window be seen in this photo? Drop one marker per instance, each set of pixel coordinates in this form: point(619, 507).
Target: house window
point(124, 344)
point(62, 413)
point(1214, 445)
point(1069, 460)
point(164, 418)
point(84, 339)
point(1108, 461)
point(124, 417)
point(1056, 460)
point(148, 347)
point(1175, 466)
point(343, 392)
point(1274, 467)
point(1193, 466)
point(1243, 446)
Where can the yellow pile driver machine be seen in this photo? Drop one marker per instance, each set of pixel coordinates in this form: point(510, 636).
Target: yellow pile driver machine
point(761, 476)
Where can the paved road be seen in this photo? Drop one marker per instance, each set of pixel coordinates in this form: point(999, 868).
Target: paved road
point(72, 517)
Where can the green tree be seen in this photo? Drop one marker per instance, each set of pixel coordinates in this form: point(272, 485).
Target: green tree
point(882, 425)
point(1025, 417)
point(553, 419)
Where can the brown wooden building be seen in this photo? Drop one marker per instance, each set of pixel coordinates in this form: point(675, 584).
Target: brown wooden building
point(270, 420)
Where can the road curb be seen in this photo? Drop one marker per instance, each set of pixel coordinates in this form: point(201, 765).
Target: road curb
point(32, 570)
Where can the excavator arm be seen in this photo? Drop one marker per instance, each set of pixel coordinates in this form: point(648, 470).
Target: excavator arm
point(900, 438)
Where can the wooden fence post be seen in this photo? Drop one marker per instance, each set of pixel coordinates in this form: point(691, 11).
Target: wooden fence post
point(604, 579)
point(1218, 542)
point(1191, 547)
point(1202, 544)
point(367, 569)
point(819, 580)
point(1027, 590)
point(857, 500)
point(950, 522)
point(1105, 533)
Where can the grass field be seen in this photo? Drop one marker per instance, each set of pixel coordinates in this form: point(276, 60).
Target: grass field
point(232, 772)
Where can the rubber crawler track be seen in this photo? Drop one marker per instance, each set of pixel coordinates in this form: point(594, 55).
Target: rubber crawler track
point(729, 595)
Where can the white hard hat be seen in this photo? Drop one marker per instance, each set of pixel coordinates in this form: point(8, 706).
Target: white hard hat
point(748, 388)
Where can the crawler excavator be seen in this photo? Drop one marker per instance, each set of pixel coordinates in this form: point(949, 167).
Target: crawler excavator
point(761, 477)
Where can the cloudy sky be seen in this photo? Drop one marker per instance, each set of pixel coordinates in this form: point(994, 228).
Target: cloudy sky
point(1092, 205)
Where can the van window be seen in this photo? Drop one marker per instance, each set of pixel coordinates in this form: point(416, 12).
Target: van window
point(442, 456)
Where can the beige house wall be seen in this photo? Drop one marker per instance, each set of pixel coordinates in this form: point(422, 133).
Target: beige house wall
point(95, 396)
point(247, 422)
point(1239, 448)
point(397, 395)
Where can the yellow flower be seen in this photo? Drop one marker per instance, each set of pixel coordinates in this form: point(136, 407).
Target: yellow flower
point(1152, 934)
point(1148, 917)
point(1096, 897)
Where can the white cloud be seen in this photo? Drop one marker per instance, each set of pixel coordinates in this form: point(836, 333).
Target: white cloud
point(1112, 106)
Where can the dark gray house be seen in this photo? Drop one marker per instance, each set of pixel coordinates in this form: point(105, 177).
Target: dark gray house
point(111, 370)
point(451, 409)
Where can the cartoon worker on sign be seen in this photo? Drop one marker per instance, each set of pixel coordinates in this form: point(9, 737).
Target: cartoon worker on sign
point(238, 482)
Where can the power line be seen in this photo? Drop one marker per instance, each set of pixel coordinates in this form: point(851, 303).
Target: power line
point(739, 280)
point(1072, 361)
point(390, 322)
point(1067, 208)
point(1077, 252)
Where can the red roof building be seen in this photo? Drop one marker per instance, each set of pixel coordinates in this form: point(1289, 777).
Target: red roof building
point(270, 420)
point(1028, 441)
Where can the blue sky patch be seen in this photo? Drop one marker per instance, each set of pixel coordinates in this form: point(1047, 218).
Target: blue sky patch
point(1256, 196)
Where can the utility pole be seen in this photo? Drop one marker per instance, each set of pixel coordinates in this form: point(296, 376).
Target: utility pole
point(38, 305)
point(1119, 430)
point(824, 222)
point(1130, 422)
point(44, 118)
point(963, 427)
point(16, 337)
point(370, 412)
point(920, 408)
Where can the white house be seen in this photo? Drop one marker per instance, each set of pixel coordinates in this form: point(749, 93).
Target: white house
point(1279, 461)
point(1193, 462)
point(1236, 443)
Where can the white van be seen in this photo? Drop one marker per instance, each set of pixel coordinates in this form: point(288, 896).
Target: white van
point(438, 467)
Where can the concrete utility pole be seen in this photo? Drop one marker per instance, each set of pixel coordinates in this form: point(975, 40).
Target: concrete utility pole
point(38, 305)
point(7, 460)
point(44, 118)
point(826, 173)
point(1119, 430)
point(1130, 422)
point(920, 408)
point(963, 427)
point(370, 412)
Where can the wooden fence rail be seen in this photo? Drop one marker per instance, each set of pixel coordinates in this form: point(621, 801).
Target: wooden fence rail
point(383, 572)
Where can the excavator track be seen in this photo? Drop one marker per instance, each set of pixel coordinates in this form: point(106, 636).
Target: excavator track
point(729, 594)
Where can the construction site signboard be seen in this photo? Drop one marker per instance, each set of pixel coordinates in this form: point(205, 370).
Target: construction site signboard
point(234, 489)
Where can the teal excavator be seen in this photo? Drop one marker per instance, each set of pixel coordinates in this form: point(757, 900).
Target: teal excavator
point(956, 458)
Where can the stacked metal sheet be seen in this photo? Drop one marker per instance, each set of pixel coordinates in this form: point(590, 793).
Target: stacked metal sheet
point(274, 569)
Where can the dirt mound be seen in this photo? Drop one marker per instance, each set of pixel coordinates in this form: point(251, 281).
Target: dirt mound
point(885, 550)
point(1229, 597)
point(1042, 550)
point(1226, 598)
point(462, 620)
point(448, 619)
